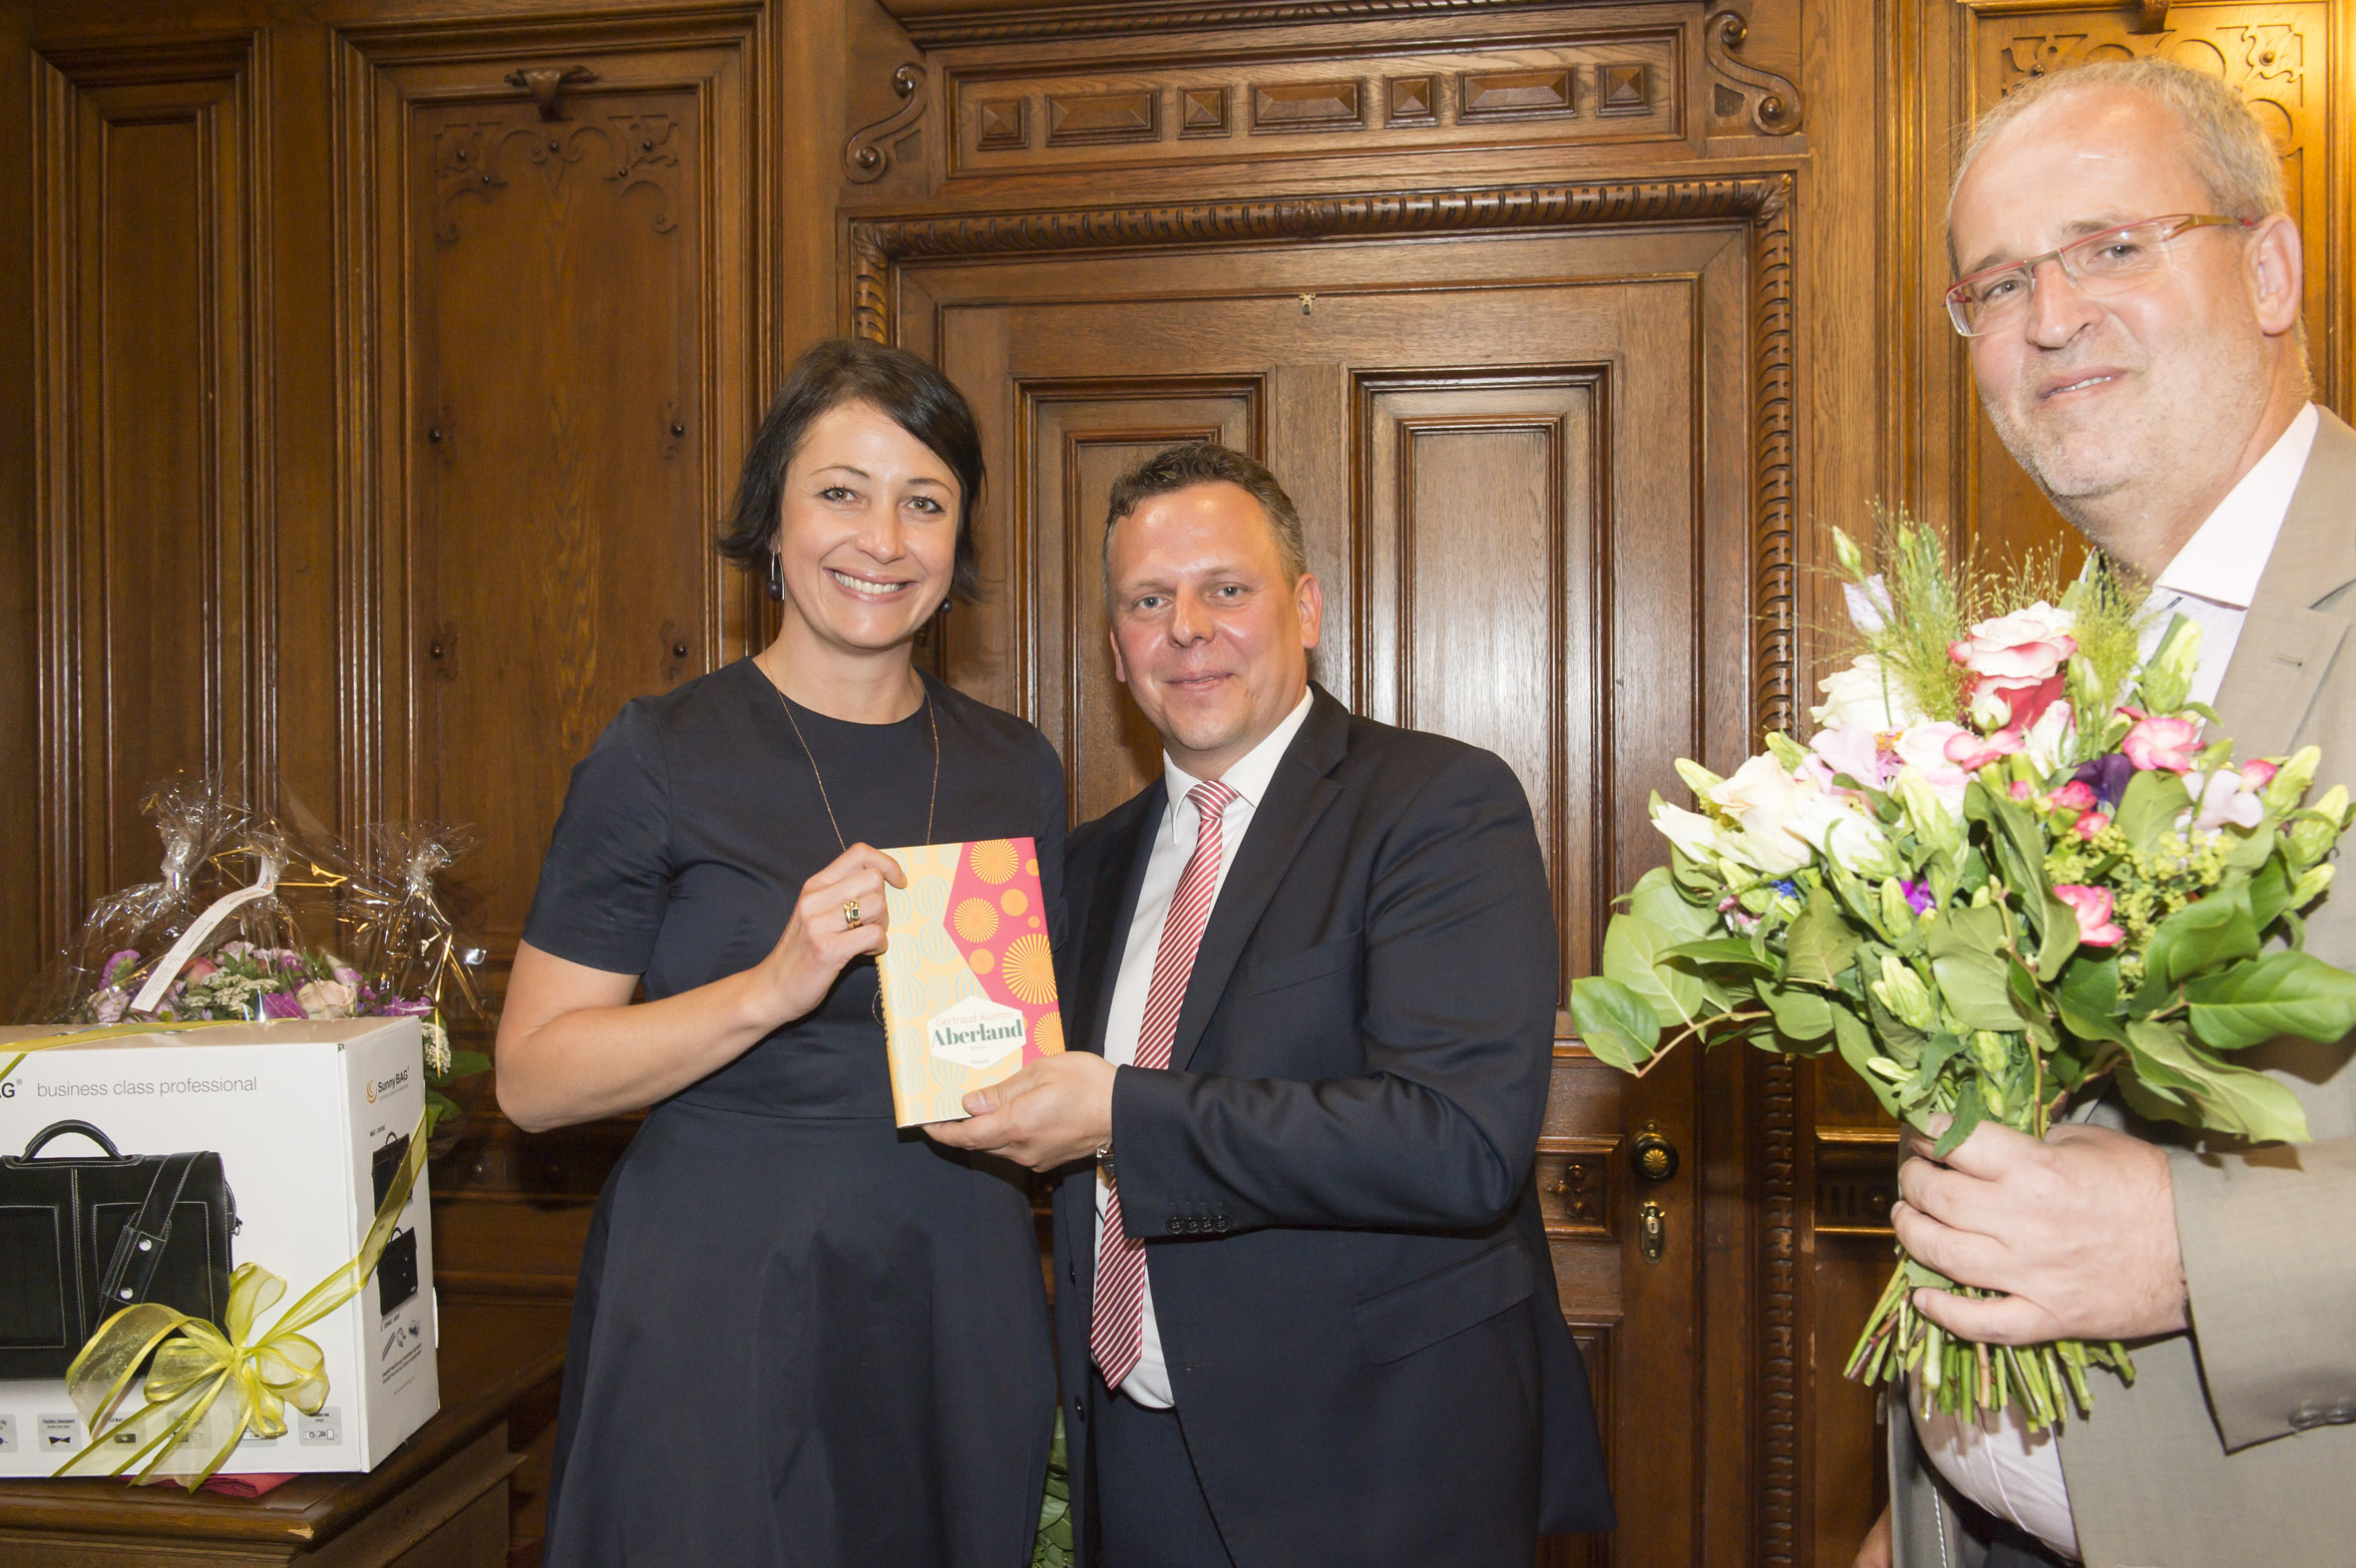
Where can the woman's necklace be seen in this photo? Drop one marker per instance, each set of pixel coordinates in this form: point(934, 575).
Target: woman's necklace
point(827, 801)
point(931, 725)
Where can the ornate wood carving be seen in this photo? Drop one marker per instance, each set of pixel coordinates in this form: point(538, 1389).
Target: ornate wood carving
point(1623, 89)
point(867, 157)
point(1777, 658)
point(469, 156)
point(1076, 118)
point(1778, 620)
point(1122, 111)
point(2263, 60)
point(1006, 123)
point(1765, 201)
point(1774, 102)
point(1413, 101)
point(933, 23)
point(1307, 106)
point(1515, 95)
point(1202, 110)
point(1779, 1338)
point(545, 82)
point(1575, 1186)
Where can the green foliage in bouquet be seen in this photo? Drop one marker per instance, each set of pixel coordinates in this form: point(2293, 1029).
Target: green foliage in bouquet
point(1051, 1548)
point(1989, 888)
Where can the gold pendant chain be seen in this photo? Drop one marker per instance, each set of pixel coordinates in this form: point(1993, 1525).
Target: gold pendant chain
point(932, 801)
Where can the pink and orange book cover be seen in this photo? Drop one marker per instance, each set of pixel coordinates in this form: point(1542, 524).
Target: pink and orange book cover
point(968, 978)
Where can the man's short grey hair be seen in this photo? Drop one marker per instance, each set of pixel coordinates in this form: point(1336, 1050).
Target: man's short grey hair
point(1208, 463)
point(2229, 151)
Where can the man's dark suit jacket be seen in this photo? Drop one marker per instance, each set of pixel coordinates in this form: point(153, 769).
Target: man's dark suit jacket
point(1350, 1275)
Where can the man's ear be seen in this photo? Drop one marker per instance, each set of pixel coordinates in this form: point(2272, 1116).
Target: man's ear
point(1120, 670)
point(1309, 599)
point(2276, 269)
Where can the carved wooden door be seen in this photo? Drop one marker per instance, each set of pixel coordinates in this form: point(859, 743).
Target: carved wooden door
point(1524, 464)
point(560, 355)
point(548, 309)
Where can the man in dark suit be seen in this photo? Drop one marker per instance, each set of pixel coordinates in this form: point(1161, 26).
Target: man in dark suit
point(1306, 1309)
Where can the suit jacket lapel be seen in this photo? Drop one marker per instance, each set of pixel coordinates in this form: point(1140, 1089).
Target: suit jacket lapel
point(2287, 642)
point(1112, 905)
point(1297, 797)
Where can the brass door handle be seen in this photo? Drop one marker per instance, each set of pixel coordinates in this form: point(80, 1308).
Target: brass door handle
point(1653, 1155)
point(1652, 1230)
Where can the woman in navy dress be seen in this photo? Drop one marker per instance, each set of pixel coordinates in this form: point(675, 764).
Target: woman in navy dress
point(801, 1336)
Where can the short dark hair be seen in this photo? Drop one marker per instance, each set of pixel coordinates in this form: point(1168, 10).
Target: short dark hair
point(917, 397)
point(1209, 462)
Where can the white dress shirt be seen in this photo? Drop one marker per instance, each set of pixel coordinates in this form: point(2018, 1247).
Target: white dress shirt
point(1173, 847)
point(2215, 576)
point(1996, 1462)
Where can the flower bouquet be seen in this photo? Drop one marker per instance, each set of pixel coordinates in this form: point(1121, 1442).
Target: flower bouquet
point(2007, 867)
point(172, 952)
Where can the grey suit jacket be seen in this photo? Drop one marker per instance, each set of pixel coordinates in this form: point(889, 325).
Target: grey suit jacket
point(2234, 1445)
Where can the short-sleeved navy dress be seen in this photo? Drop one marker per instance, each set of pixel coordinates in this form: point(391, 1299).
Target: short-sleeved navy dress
point(802, 1337)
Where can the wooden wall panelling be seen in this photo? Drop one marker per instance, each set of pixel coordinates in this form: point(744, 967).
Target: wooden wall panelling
point(1073, 440)
point(548, 330)
point(22, 904)
point(547, 326)
point(1647, 497)
point(155, 566)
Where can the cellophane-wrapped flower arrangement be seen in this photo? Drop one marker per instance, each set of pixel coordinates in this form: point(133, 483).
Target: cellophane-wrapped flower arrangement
point(2010, 867)
point(232, 878)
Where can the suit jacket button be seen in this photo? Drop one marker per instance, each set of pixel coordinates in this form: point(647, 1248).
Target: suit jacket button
point(1220, 1225)
point(2342, 1413)
point(2306, 1417)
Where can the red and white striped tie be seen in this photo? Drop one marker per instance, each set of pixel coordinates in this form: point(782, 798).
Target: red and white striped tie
point(1116, 1328)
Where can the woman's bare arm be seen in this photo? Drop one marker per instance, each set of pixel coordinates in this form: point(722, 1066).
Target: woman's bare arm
point(574, 1048)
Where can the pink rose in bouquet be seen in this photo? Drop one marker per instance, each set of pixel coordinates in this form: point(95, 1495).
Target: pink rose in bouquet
point(2018, 663)
point(2170, 743)
point(2092, 905)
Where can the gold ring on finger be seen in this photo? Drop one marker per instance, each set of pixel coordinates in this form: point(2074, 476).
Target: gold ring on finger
point(851, 914)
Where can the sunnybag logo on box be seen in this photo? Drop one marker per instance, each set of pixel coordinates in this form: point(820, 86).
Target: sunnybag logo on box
point(968, 980)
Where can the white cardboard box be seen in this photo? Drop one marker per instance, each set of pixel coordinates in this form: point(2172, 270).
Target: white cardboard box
point(297, 1111)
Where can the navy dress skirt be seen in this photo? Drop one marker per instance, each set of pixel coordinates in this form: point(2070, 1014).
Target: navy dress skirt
point(802, 1337)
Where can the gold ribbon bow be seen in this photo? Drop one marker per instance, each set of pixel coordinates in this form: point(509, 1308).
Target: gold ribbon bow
point(106, 1032)
point(198, 1365)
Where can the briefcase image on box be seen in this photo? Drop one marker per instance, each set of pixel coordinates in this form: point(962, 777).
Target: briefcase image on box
point(83, 1235)
point(396, 1269)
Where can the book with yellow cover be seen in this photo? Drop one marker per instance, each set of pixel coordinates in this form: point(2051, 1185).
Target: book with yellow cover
point(968, 978)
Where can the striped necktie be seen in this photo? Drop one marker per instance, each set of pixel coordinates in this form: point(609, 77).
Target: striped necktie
point(1117, 1325)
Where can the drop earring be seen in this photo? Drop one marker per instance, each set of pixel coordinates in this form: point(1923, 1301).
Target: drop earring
point(776, 576)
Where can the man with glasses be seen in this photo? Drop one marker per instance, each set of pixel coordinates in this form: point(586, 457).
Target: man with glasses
point(2129, 291)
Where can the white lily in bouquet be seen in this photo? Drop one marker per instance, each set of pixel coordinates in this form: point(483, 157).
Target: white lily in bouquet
point(2014, 864)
